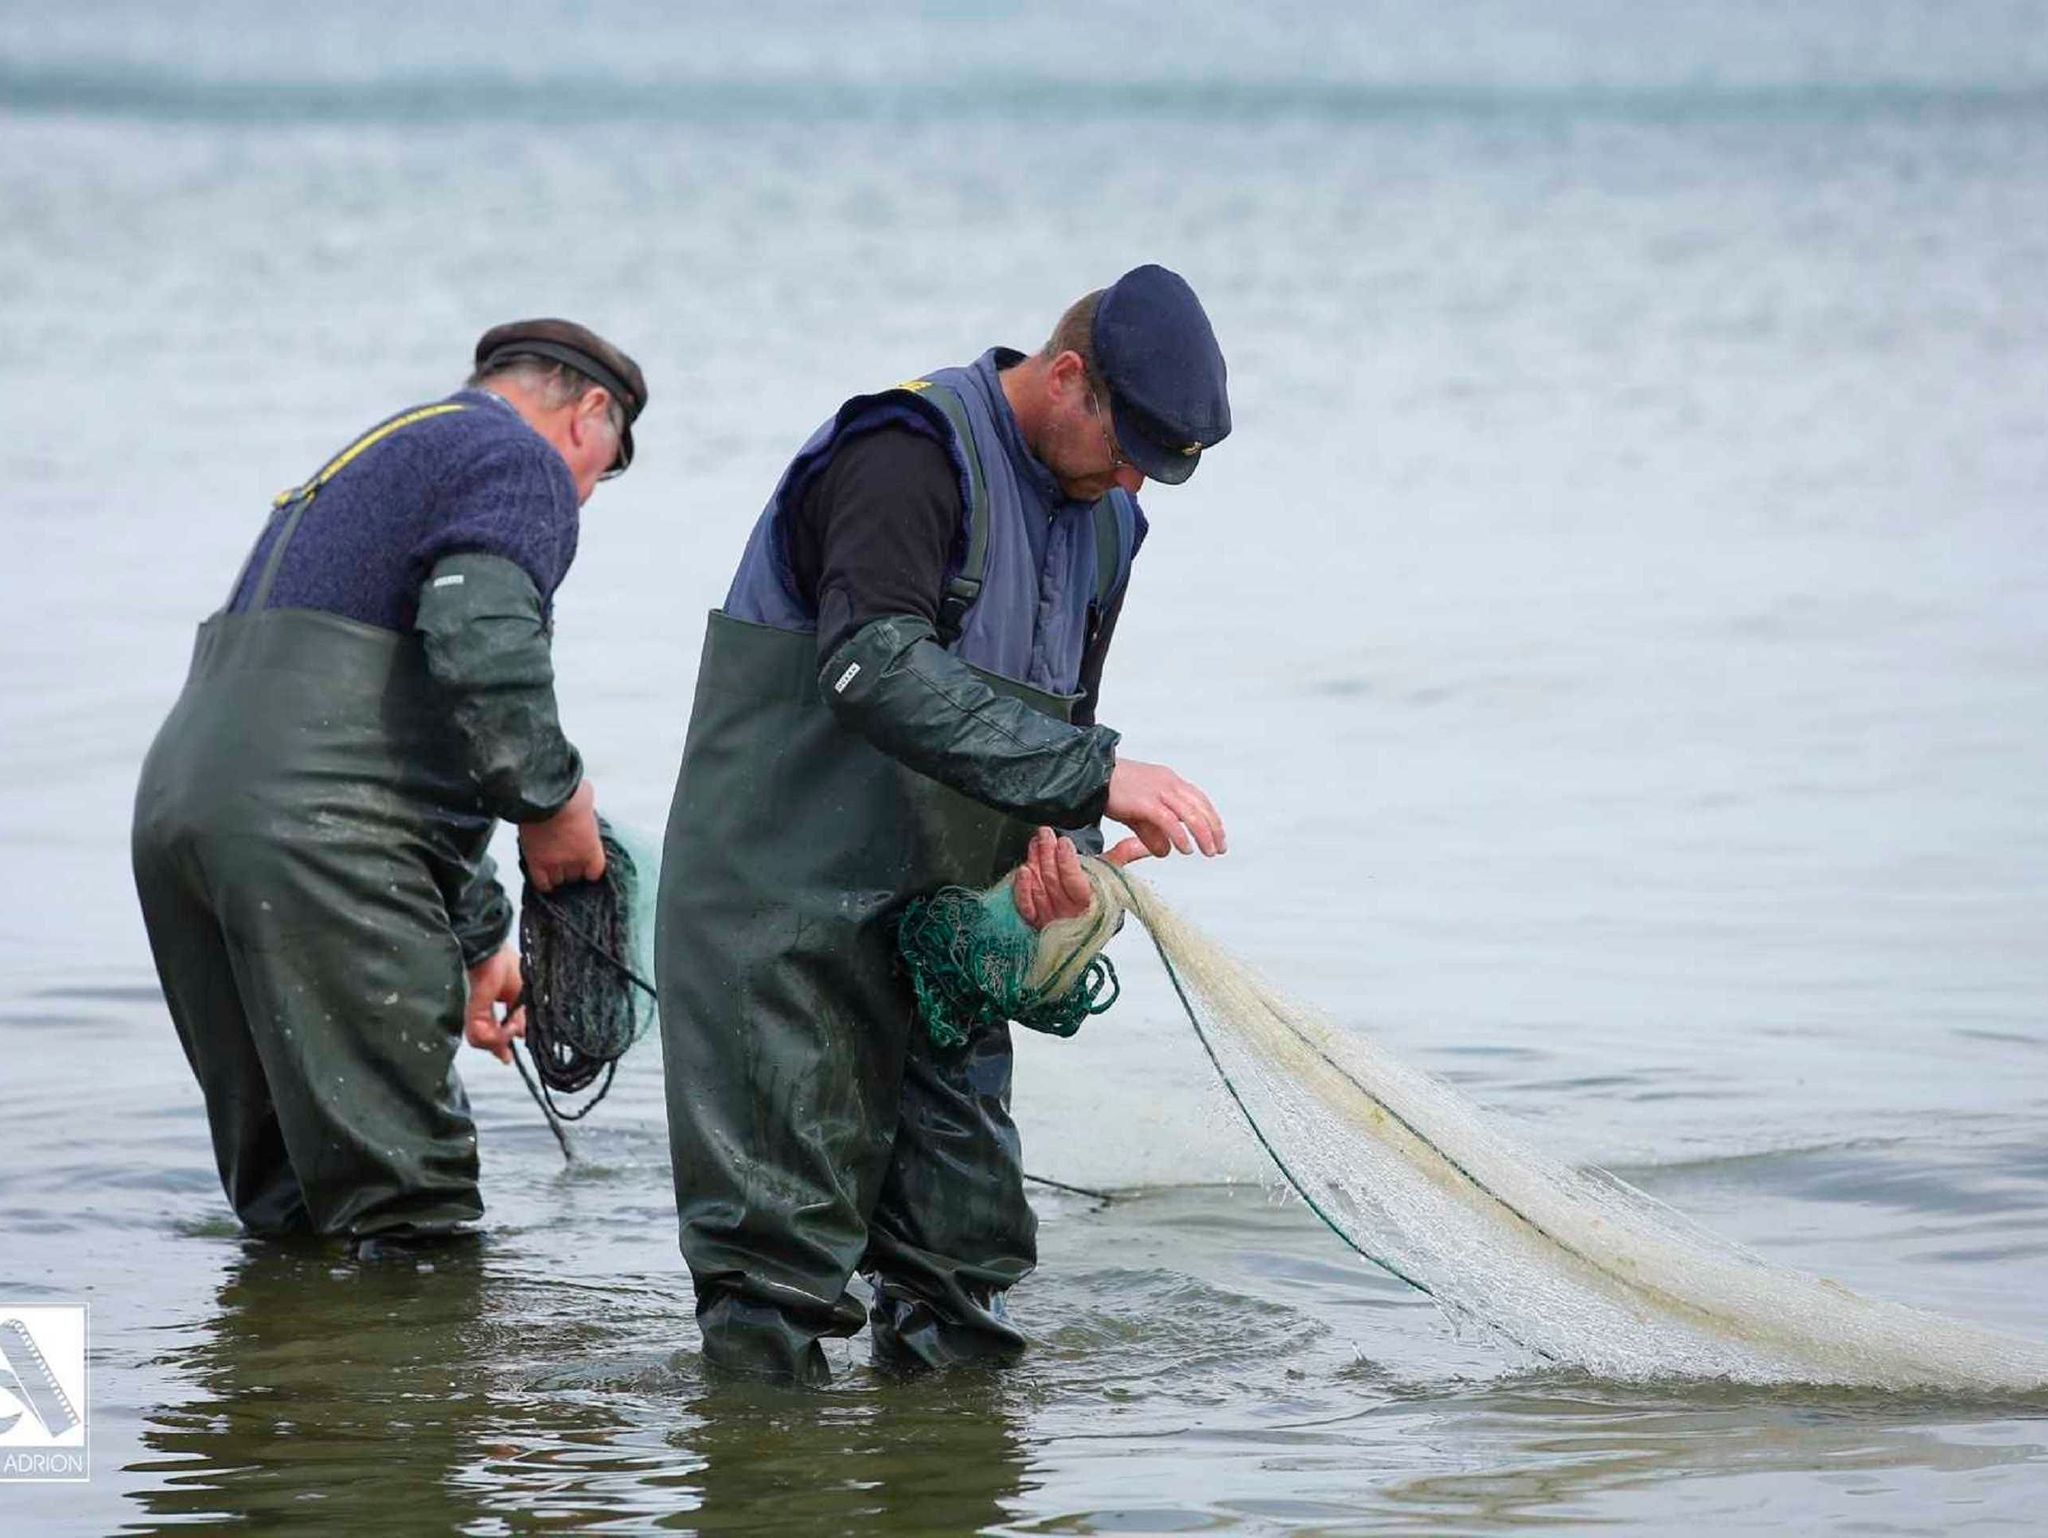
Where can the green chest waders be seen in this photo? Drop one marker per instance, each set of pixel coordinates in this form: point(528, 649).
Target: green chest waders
point(814, 1129)
point(303, 829)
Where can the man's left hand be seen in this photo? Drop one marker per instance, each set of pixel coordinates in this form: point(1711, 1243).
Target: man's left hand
point(494, 981)
point(1051, 885)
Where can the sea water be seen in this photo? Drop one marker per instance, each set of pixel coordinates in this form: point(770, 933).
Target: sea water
point(1615, 633)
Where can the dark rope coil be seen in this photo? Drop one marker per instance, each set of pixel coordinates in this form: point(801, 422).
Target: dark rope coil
point(585, 1003)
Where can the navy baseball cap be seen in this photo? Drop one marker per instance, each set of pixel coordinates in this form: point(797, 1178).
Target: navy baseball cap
point(1155, 350)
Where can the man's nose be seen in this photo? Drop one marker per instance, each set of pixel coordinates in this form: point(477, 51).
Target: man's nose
point(1131, 478)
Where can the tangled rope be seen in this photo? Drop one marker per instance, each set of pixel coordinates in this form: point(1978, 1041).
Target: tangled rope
point(585, 1001)
point(974, 962)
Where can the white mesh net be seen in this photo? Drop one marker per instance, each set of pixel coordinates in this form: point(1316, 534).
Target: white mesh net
point(1574, 1265)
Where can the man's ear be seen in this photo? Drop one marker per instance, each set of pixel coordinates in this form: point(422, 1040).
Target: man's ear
point(1068, 372)
point(590, 407)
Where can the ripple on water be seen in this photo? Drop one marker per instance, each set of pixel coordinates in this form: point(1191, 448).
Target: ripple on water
point(1155, 1332)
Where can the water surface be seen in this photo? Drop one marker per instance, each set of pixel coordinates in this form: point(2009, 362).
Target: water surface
point(1617, 633)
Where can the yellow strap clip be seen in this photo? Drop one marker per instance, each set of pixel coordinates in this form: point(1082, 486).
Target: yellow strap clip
point(370, 439)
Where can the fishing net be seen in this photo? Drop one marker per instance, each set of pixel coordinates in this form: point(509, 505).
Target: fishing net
point(1574, 1265)
point(973, 961)
point(586, 1001)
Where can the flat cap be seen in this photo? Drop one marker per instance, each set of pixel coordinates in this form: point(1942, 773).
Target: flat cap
point(1167, 388)
point(563, 341)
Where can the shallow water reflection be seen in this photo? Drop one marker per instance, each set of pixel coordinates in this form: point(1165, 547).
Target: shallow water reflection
point(904, 1458)
point(324, 1385)
point(390, 1397)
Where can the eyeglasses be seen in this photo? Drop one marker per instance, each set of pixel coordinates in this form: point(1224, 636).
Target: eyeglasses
point(1117, 459)
point(616, 415)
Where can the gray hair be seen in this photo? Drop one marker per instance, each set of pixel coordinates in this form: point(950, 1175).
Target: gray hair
point(556, 383)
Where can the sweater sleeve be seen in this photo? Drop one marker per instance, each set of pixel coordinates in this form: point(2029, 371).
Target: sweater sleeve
point(513, 498)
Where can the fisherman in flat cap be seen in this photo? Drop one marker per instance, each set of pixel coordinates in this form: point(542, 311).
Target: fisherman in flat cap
point(311, 823)
point(899, 694)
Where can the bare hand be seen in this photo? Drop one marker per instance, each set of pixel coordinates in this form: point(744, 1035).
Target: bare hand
point(494, 981)
point(1051, 885)
point(566, 846)
point(1165, 811)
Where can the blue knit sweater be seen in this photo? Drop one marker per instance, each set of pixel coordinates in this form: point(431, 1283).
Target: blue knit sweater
point(474, 480)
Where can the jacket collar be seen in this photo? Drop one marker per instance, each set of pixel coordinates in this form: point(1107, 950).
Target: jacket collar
point(987, 369)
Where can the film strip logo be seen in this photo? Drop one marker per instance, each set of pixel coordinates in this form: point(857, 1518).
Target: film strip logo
point(26, 1375)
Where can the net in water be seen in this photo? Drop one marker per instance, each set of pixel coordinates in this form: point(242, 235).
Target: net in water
point(1573, 1264)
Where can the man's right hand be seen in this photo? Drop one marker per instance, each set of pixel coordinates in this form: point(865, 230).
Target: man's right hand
point(565, 847)
point(1164, 810)
point(494, 981)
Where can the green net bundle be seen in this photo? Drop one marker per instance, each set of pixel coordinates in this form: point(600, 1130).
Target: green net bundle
point(973, 961)
point(585, 1001)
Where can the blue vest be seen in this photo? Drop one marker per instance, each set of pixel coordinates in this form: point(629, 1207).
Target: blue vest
point(1032, 571)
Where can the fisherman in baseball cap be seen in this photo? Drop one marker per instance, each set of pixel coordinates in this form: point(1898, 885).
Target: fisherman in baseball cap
point(947, 560)
point(1156, 352)
point(563, 341)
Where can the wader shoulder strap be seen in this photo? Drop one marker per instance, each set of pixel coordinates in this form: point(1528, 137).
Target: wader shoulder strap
point(1109, 551)
point(299, 498)
point(963, 588)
